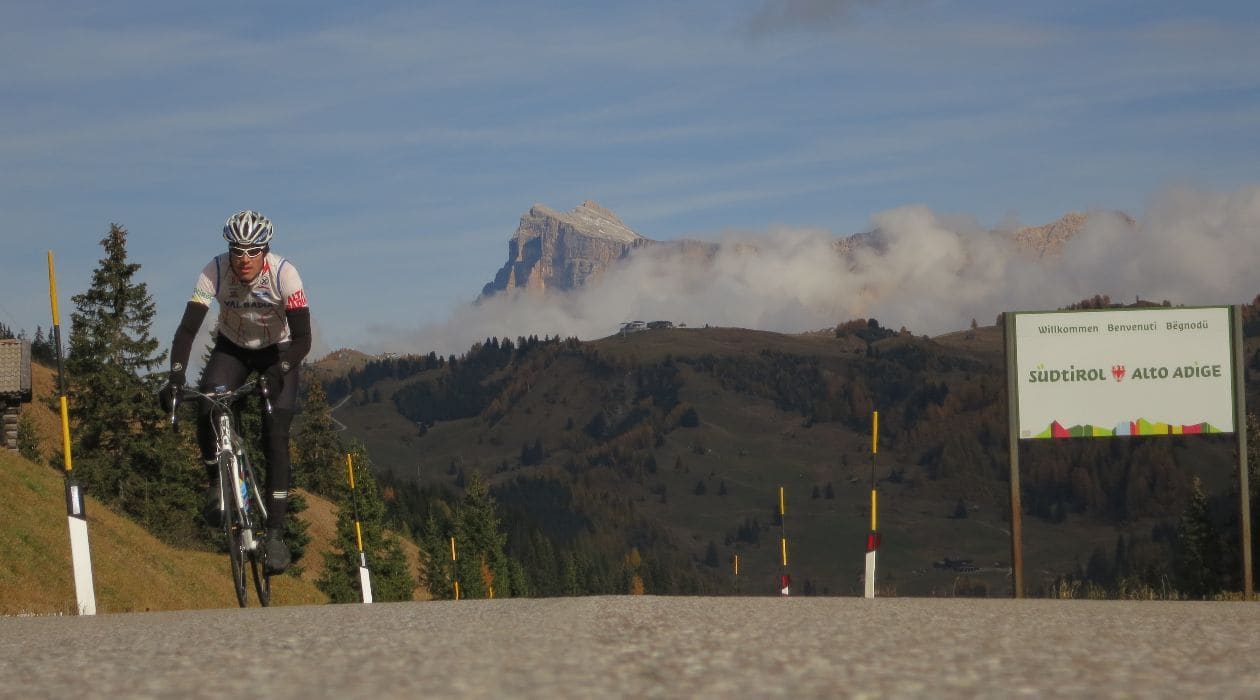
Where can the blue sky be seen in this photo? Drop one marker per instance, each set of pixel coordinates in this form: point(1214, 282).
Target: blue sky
point(396, 145)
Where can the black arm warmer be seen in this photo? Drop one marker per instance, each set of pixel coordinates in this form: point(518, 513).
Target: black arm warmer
point(181, 347)
point(299, 336)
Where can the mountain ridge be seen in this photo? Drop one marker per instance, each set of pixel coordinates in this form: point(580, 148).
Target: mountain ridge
point(672, 443)
point(553, 251)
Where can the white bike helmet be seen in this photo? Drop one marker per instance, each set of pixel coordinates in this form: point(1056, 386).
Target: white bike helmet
point(247, 228)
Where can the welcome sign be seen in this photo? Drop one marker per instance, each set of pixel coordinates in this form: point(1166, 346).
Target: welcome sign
point(1158, 371)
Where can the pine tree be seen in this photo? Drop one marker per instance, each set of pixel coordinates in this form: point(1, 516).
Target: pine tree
point(541, 564)
point(481, 543)
point(319, 463)
point(711, 558)
point(28, 439)
point(296, 532)
point(570, 574)
point(1198, 557)
point(437, 573)
point(391, 580)
point(124, 452)
point(1120, 560)
point(42, 348)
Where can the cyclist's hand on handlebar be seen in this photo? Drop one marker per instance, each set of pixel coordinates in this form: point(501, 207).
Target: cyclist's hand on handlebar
point(273, 378)
point(169, 395)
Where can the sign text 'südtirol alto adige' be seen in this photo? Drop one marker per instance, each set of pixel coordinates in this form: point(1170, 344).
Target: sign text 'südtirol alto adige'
point(1165, 371)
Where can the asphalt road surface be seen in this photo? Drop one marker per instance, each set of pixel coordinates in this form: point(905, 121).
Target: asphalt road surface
point(647, 647)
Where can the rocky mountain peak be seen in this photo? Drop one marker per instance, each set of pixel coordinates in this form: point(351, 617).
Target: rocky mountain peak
point(1049, 239)
point(1046, 240)
point(588, 218)
point(554, 250)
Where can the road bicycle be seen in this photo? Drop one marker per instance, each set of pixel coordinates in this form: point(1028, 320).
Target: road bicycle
point(242, 508)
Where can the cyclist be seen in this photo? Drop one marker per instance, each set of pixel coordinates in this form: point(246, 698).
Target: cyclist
point(264, 326)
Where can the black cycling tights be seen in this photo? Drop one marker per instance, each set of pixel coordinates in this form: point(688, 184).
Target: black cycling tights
point(229, 366)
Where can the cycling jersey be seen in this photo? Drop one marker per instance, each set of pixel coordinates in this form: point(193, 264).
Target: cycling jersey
point(252, 315)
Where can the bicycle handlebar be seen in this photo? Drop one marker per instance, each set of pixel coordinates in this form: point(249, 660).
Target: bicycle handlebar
point(224, 399)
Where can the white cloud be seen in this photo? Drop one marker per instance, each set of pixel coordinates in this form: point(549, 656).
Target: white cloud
point(933, 274)
point(1192, 247)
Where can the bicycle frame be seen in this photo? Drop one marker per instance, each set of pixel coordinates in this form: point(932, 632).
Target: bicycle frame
point(245, 510)
point(236, 475)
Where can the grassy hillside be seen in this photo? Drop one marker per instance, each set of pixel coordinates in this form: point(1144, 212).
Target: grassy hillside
point(133, 570)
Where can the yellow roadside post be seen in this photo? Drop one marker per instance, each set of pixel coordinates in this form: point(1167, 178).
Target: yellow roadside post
point(455, 568)
point(365, 577)
point(80, 551)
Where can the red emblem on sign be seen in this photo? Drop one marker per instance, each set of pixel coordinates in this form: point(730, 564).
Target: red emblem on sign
point(1117, 371)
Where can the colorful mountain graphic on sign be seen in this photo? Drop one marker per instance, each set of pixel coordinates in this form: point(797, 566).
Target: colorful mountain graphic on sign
point(1138, 427)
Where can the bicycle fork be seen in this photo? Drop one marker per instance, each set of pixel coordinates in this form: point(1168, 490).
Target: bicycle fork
point(241, 484)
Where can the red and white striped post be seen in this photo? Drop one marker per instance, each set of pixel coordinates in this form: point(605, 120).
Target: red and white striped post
point(872, 538)
point(785, 579)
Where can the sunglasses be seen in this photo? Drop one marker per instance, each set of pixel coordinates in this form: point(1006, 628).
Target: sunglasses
point(250, 252)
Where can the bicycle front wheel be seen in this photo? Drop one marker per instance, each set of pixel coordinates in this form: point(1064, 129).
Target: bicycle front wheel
point(257, 516)
point(234, 529)
point(262, 581)
point(257, 567)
